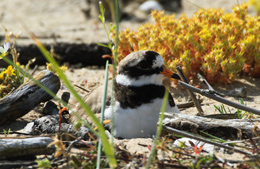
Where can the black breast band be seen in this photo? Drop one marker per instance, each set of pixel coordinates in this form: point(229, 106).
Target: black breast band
point(133, 97)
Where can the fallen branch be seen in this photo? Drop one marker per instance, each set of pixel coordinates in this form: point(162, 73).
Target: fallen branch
point(214, 96)
point(15, 148)
point(188, 104)
point(27, 96)
point(237, 92)
point(226, 129)
point(17, 164)
point(193, 97)
point(210, 88)
point(50, 124)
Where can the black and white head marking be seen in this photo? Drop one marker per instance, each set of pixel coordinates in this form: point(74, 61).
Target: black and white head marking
point(140, 68)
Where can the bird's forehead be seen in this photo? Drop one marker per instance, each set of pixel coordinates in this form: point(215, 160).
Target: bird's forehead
point(135, 58)
point(132, 59)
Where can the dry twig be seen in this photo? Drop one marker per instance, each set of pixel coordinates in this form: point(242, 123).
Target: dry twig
point(193, 97)
point(214, 96)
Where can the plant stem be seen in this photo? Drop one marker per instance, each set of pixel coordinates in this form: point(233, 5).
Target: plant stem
point(159, 129)
point(114, 66)
point(102, 115)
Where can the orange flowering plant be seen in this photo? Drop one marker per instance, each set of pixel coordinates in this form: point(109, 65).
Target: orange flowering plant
point(217, 44)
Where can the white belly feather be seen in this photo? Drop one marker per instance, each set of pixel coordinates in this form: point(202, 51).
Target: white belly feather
point(139, 122)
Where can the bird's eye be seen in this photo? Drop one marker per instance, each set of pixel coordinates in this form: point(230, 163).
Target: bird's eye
point(144, 65)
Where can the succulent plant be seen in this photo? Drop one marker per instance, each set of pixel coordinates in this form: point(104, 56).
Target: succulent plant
point(217, 44)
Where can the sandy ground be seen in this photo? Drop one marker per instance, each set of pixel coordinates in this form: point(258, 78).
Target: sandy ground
point(65, 20)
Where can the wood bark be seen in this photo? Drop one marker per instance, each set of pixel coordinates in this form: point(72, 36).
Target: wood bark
point(226, 129)
point(15, 148)
point(27, 96)
point(50, 124)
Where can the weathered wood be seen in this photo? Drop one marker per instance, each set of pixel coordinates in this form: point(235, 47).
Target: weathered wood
point(14, 148)
point(214, 96)
point(226, 129)
point(9, 164)
point(51, 108)
point(50, 124)
point(192, 95)
point(27, 96)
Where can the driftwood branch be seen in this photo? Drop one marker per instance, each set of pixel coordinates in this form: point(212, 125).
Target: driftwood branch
point(237, 92)
point(218, 98)
point(50, 124)
point(27, 96)
point(193, 97)
point(15, 148)
point(208, 86)
point(226, 129)
point(188, 104)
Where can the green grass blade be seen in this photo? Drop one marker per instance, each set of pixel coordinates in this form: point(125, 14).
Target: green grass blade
point(218, 109)
point(117, 34)
point(224, 109)
point(115, 63)
point(213, 137)
point(102, 114)
point(103, 45)
point(159, 129)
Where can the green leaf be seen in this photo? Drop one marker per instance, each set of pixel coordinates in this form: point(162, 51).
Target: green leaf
point(43, 163)
point(112, 27)
point(106, 46)
point(159, 129)
point(102, 114)
point(101, 18)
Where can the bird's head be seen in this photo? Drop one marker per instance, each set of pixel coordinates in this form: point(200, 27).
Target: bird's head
point(143, 68)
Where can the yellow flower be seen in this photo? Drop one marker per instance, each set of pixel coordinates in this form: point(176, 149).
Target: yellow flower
point(2, 75)
point(50, 67)
point(19, 65)
point(9, 71)
point(64, 68)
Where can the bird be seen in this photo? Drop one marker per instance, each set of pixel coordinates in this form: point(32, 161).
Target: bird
point(139, 93)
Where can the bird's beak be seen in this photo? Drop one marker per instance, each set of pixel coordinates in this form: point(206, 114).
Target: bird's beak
point(170, 74)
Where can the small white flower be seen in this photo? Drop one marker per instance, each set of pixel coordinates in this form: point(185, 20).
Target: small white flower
point(5, 48)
